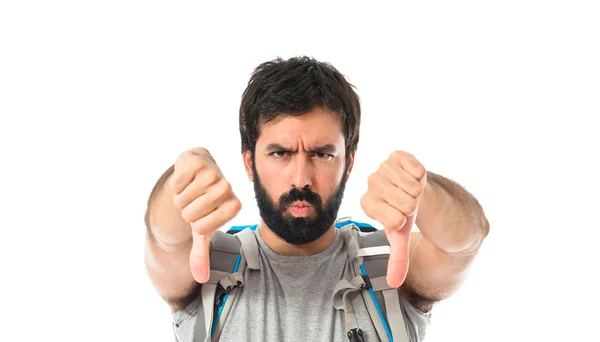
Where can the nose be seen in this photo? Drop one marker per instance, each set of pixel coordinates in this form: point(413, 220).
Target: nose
point(301, 172)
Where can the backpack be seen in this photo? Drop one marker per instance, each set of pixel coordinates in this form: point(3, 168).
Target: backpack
point(236, 250)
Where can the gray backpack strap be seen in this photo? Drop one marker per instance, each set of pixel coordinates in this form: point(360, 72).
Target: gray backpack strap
point(343, 303)
point(368, 254)
point(249, 248)
point(227, 267)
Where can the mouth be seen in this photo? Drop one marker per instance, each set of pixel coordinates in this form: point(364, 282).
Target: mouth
point(300, 209)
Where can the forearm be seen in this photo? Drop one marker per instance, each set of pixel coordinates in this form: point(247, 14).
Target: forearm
point(165, 226)
point(450, 217)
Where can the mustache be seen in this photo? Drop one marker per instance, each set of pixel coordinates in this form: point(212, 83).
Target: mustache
point(305, 194)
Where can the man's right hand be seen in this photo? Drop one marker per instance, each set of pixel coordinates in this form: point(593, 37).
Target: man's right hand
point(207, 203)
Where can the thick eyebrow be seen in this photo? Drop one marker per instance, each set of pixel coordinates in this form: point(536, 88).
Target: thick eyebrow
point(325, 149)
point(277, 147)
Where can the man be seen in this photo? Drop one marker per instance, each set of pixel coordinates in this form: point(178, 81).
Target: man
point(299, 125)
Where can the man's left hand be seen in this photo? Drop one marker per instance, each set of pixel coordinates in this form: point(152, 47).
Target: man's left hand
point(392, 199)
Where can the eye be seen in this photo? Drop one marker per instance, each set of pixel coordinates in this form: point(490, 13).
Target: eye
point(323, 156)
point(279, 154)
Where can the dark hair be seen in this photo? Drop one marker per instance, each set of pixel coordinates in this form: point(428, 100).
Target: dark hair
point(295, 87)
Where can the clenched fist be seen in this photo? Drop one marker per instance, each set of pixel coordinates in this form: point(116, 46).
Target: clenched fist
point(206, 201)
point(392, 199)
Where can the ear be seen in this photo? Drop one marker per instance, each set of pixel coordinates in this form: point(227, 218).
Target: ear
point(351, 161)
point(248, 165)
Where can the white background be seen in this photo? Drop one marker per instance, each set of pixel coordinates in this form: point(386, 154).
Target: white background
point(97, 99)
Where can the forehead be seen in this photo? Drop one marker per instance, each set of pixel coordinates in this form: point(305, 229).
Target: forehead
point(318, 126)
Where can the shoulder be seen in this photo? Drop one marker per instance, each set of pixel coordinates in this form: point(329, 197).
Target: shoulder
point(184, 321)
point(415, 320)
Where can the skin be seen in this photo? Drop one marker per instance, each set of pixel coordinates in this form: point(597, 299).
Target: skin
point(197, 201)
point(302, 161)
point(396, 193)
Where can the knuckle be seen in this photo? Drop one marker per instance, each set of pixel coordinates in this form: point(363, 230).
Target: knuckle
point(184, 158)
point(195, 163)
point(232, 209)
point(410, 206)
point(414, 189)
point(210, 178)
point(363, 201)
point(175, 181)
point(180, 159)
point(388, 223)
point(366, 205)
point(406, 155)
point(200, 228)
point(222, 191)
point(417, 189)
point(178, 201)
point(420, 171)
point(236, 206)
point(396, 155)
point(397, 220)
point(227, 188)
point(186, 215)
point(372, 180)
point(199, 150)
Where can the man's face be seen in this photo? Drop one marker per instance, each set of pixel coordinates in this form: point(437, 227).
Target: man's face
point(299, 172)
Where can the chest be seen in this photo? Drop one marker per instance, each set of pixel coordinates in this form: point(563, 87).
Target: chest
point(293, 302)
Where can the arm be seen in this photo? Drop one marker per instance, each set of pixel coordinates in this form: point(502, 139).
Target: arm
point(452, 228)
point(190, 201)
point(167, 247)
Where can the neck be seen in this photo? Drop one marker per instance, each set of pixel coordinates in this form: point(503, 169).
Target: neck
point(281, 247)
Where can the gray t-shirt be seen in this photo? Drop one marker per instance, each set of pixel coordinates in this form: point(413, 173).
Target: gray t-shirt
point(290, 299)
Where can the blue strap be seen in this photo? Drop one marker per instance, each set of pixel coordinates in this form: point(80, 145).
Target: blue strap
point(235, 269)
point(356, 223)
point(338, 225)
point(383, 320)
point(235, 229)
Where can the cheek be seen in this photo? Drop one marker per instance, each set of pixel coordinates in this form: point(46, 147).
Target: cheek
point(272, 184)
point(271, 174)
point(266, 168)
point(329, 184)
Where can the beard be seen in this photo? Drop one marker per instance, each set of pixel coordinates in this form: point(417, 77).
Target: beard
point(298, 230)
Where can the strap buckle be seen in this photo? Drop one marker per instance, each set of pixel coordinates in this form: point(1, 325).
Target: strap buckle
point(356, 335)
point(220, 295)
point(367, 281)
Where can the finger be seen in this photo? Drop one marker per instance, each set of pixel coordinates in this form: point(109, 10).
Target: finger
point(409, 163)
point(205, 204)
point(199, 208)
point(217, 218)
point(397, 197)
point(379, 210)
point(198, 187)
point(182, 177)
point(372, 207)
point(186, 168)
point(200, 257)
point(398, 259)
point(402, 179)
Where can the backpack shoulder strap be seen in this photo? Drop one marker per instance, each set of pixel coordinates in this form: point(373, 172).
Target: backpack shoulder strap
point(368, 254)
point(227, 266)
point(363, 227)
